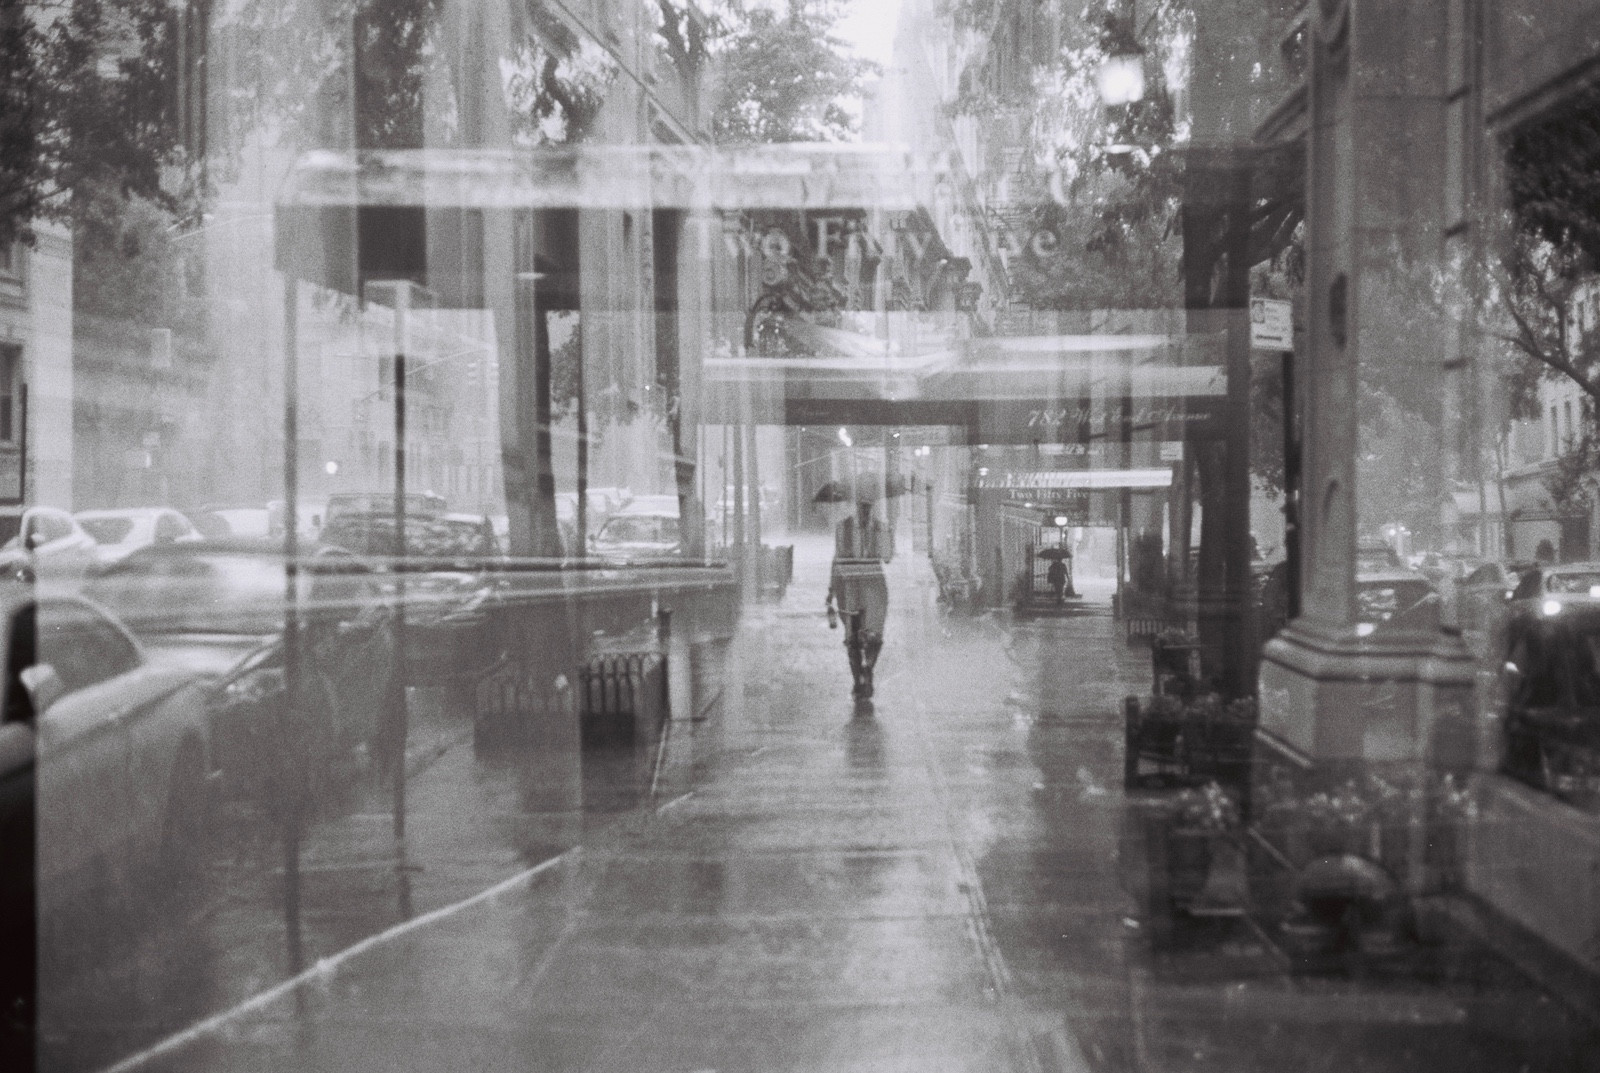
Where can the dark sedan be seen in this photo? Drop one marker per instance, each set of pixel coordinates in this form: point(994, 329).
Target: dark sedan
point(1552, 689)
point(219, 608)
point(447, 576)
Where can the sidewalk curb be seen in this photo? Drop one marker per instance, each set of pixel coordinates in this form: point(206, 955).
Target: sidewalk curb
point(1574, 985)
point(327, 968)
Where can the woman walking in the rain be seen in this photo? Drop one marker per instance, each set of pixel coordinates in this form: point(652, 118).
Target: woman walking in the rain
point(858, 592)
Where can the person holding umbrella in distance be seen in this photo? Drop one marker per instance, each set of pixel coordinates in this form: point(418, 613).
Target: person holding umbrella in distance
point(857, 589)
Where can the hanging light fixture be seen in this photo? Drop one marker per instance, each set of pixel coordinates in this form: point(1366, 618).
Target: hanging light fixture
point(1121, 75)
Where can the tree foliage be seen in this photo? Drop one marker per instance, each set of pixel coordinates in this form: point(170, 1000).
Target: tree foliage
point(1545, 288)
point(1105, 180)
point(88, 114)
point(786, 77)
point(413, 72)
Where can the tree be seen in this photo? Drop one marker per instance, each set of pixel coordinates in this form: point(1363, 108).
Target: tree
point(88, 103)
point(1105, 180)
point(786, 78)
point(1540, 291)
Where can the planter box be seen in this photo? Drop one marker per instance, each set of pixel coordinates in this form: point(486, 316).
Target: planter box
point(1187, 745)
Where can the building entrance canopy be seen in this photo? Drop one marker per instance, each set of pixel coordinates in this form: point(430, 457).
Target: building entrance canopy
point(834, 284)
point(809, 176)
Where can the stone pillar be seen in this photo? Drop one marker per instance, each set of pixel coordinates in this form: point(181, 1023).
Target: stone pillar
point(1339, 699)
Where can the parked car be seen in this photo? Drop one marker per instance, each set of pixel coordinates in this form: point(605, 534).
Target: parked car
point(598, 505)
point(1390, 599)
point(220, 521)
point(120, 533)
point(1377, 555)
point(1495, 579)
point(118, 742)
point(663, 505)
point(1483, 599)
point(1564, 579)
point(49, 546)
point(418, 504)
point(1552, 699)
point(448, 580)
point(1439, 567)
point(459, 539)
point(770, 501)
point(218, 608)
point(310, 516)
point(633, 535)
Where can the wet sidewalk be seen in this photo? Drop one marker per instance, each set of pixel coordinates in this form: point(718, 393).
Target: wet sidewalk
point(933, 885)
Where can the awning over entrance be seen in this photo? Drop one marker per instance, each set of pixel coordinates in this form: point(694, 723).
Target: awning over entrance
point(1086, 478)
point(800, 177)
point(1019, 390)
point(886, 341)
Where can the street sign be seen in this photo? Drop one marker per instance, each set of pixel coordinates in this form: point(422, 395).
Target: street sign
point(1271, 324)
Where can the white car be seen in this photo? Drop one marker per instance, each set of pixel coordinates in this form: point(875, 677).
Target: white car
point(223, 521)
point(117, 744)
point(630, 535)
point(120, 533)
point(49, 546)
point(663, 505)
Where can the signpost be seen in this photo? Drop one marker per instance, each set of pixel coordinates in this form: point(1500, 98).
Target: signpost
point(1271, 324)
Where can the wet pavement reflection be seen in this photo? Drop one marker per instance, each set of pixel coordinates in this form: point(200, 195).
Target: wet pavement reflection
point(945, 879)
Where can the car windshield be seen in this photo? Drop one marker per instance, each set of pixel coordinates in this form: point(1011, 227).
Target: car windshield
point(108, 530)
point(1573, 581)
point(375, 535)
point(641, 529)
point(1380, 601)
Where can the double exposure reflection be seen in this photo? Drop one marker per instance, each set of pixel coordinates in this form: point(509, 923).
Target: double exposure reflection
point(444, 448)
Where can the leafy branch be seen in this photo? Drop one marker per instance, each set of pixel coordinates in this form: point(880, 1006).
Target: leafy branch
point(88, 114)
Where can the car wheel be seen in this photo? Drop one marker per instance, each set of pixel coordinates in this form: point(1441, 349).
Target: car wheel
point(184, 830)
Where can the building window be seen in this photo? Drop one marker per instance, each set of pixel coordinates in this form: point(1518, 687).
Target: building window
point(1554, 439)
point(1572, 432)
point(10, 362)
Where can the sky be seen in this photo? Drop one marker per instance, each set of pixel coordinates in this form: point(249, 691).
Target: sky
point(869, 27)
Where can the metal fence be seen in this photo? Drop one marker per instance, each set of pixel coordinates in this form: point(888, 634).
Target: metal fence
point(621, 695)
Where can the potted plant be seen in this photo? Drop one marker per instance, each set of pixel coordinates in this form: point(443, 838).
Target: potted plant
point(1175, 662)
point(1201, 821)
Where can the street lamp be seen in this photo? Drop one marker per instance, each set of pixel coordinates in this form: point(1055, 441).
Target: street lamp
point(1120, 79)
point(1063, 543)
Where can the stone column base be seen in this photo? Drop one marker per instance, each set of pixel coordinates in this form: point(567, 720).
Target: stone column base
point(1355, 738)
point(1333, 696)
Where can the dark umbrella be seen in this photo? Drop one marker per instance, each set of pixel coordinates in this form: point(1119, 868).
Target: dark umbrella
point(865, 488)
point(1053, 553)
